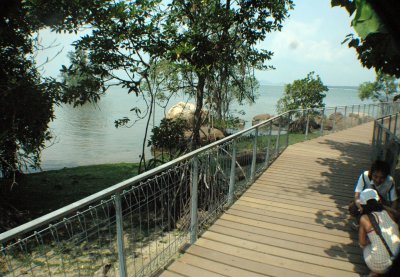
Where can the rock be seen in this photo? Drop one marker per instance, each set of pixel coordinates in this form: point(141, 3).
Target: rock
point(339, 116)
point(184, 111)
point(207, 135)
point(103, 271)
point(260, 118)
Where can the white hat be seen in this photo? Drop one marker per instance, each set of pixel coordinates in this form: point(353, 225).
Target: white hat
point(368, 194)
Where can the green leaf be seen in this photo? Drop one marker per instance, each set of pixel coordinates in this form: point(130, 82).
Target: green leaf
point(366, 21)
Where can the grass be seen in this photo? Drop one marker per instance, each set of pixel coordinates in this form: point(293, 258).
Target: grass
point(41, 193)
point(295, 138)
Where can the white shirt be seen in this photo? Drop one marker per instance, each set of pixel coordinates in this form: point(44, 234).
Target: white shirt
point(387, 189)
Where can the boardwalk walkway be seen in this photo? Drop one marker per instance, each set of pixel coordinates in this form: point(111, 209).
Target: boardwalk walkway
point(293, 220)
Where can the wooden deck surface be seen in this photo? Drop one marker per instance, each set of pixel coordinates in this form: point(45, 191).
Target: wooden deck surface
point(293, 221)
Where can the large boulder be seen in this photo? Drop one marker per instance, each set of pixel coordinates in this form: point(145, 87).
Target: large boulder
point(260, 118)
point(184, 111)
point(207, 134)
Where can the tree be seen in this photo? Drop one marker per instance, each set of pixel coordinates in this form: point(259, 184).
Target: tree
point(383, 89)
point(213, 38)
point(303, 94)
point(26, 98)
point(205, 42)
point(377, 25)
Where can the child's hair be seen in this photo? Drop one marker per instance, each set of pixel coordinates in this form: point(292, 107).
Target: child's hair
point(381, 166)
point(372, 206)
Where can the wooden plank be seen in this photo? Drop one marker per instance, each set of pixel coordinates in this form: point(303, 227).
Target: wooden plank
point(299, 255)
point(318, 220)
point(246, 264)
point(304, 195)
point(297, 246)
point(329, 246)
point(304, 192)
point(218, 267)
point(328, 215)
point(295, 224)
point(167, 273)
point(290, 206)
point(274, 260)
point(290, 230)
point(190, 270)
point(297, 202)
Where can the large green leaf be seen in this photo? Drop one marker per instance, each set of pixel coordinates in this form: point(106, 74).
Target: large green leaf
point(366, 21)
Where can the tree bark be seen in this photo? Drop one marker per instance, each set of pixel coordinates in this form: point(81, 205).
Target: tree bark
point(197, 114)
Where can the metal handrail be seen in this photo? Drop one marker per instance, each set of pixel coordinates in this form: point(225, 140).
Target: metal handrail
point(198, 162)
point(385, 136)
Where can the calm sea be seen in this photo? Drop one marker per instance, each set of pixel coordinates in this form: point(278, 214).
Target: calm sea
point(87, 135)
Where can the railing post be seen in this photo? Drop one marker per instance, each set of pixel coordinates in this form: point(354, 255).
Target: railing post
point(390, 122)
point(353, 116)
point(194, 200)
point(307, 124)
point(374, 134)
point(277, 139)
point(287, 129)
point(322, 121)
point(345, 118)
point(268, 145)
point(254, 157)
point(232, 175)
point(334, 120)
point(395, 124)
point(120, 235)
point(373, 111)
point(364, 117)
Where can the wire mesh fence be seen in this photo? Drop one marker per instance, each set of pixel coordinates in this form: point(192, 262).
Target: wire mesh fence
point(135, 227)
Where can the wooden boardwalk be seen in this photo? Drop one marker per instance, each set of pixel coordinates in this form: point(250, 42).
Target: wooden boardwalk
point(293, 221)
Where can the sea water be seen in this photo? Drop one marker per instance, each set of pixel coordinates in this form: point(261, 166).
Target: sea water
point(87, 134)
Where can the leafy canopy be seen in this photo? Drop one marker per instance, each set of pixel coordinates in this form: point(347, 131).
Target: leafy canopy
point(302, 94)
point(383, 89)
point(378, 27)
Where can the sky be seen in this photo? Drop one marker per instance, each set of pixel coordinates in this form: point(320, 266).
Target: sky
point(310, 40)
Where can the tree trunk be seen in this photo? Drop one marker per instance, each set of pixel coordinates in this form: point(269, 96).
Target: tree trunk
point(197, 114)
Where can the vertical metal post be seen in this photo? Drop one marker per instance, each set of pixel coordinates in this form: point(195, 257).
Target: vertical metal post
point(194, 199)
point(307, 124)
point(120, 235)
point(390, 122)
point(232, 176)
point(345, 118)
point(287, 130)
point(364, 117)
point(322, 121)
point(277, 139)
point(334, 120)
point(395, 124)
point(373, 110)
point(369, 109)
point(254, 158)
point(268, 145)
point(373, 135)
point(353, 116)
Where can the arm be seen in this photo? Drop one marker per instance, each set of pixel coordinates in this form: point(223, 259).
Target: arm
point(362, 233)
point(357, 199)
point(360, 186)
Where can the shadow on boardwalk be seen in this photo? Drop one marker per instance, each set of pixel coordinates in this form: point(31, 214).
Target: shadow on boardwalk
point(354, 158)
